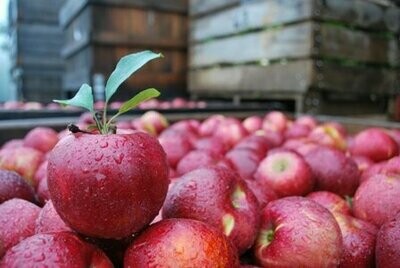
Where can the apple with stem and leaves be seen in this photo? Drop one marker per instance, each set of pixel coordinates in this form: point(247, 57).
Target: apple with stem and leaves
point(102, 183)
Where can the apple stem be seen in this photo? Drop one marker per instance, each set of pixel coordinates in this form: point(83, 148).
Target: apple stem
point(75, 129)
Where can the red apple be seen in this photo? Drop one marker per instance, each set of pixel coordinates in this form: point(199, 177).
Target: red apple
point(208, 127)
point(257, 143)
point(252, 123)
point(333, 202)
point(25, 161)
point(264, 195)
point(181, 243)
point(49, 221)
point(377, 199)
point(210, 144)
point(307, 120)
point(154, 122)
point(14, 143)
point(362, 162)
point(330, 135)
point(175, 144)
point(43, 193)
point(388, 244)
point(41, 138)
point(197, 159)
point(104, 185)
point(123, 124)
point(32, 105)
point(41, 173)
point(298, 232)
point(244, 161)
point(55, 250)
point(297, 131)
point(230, 131)
point(333, 171)
point(217, 196)
point(17, 221)
point(12, 105)
point(358, 241)
point(375, 144)
point(274, 138)
point(12, 185)
point(278, 120)
point(178, 103)
point(286, 173)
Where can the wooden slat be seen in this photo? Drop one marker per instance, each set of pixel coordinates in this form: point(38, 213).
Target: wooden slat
point(279, 78)
point(72, 8)
point(288, 42)
point(201, 7)
point(301, 40)
point(258, 14)
point(34, 11)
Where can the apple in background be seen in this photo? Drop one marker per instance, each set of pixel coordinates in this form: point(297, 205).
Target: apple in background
point(201, 104)
point(277, 120)
point(257, 143)
point(375, 144)
point(153, 122)
point(14, 143)
point(49, 221)
point(53, 107)
point(165, 105)
point(62, 249)
point(123, 124)
point(17, 221)
point(178, 103)
point(333, 171)
point(197, 159)
point(216, 196)
point(286, 173)
point(387, 249)
point(32, 106)
point(175, 144)
point(329, 134)
point(43, 193)
point(41, 138)
point(264, 195)
point(86, 118)
point(23, 160)
point(210, 144)
point(208, 127)
point(252, 123)
point(377, 199)
point(115, 105)
point(298, 232)
point(395, 134)
point(296, 130)
point(333, 202)
point(188, 127)
point(12, 185)
point(274, 138)
point(392, 166)
point(181, 243)
point(230, 131)
point(362, 162)
point(99, 105)
point(307, 120)
point(150, 104)
point(244, 161)
point(40, 174)
point(12, 105)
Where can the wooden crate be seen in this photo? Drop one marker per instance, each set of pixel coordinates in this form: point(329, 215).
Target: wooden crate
point(305, 50)
point(99, 32)
point(36, 41)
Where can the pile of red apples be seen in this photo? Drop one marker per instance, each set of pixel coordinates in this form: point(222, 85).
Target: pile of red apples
point(266, 191)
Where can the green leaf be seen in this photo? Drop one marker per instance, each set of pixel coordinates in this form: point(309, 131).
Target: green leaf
point(136, 100)
point(83, 98)
point(125, 68)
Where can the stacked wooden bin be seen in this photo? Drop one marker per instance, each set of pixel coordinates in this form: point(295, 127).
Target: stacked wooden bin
point(36, 41)
point(328, 56)
point(99, 32)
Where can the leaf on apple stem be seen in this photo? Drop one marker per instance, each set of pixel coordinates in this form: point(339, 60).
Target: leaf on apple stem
point(83, 98)
point(125, 68)
point(142, 96)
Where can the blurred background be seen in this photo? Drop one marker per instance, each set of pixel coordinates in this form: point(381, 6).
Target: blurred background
point(336, 57)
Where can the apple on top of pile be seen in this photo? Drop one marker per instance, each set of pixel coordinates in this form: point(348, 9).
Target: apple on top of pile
point(266, 191)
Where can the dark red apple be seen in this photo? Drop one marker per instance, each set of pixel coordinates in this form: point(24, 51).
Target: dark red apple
point(197, 159)
point(175, 144)
point(230, 131)
point(333, 171)
point(55, 250)
point(211, 144)
point(208, 127)
point(295, 131)
point(217, 196)
point(387, 250)
point(17, 221)
point(264, 195)
point(274, 138)
point(286, 173)
point(104, 185)
point(375, 144)
point(362, 162)
point(12, 185)
point(257, 143)
point(298, 232)
point(41, 173)
point(49, 221)
point(181, 243)
point(377, 199)
point(41, 138)
point(333, 202)
point(244, 161)
point(25, 161)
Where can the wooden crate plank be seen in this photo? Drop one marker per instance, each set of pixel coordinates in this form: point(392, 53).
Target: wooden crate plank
point(259, 14)
point(279, 78)
point(251, 15)
point(201, 7)
point(335, 78)
point(293, 41)
point(343, 43)
point(34, 11)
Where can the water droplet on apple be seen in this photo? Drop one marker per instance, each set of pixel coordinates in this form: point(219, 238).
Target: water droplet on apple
point(118, 158)
point(99, 157)
point(103, 144)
